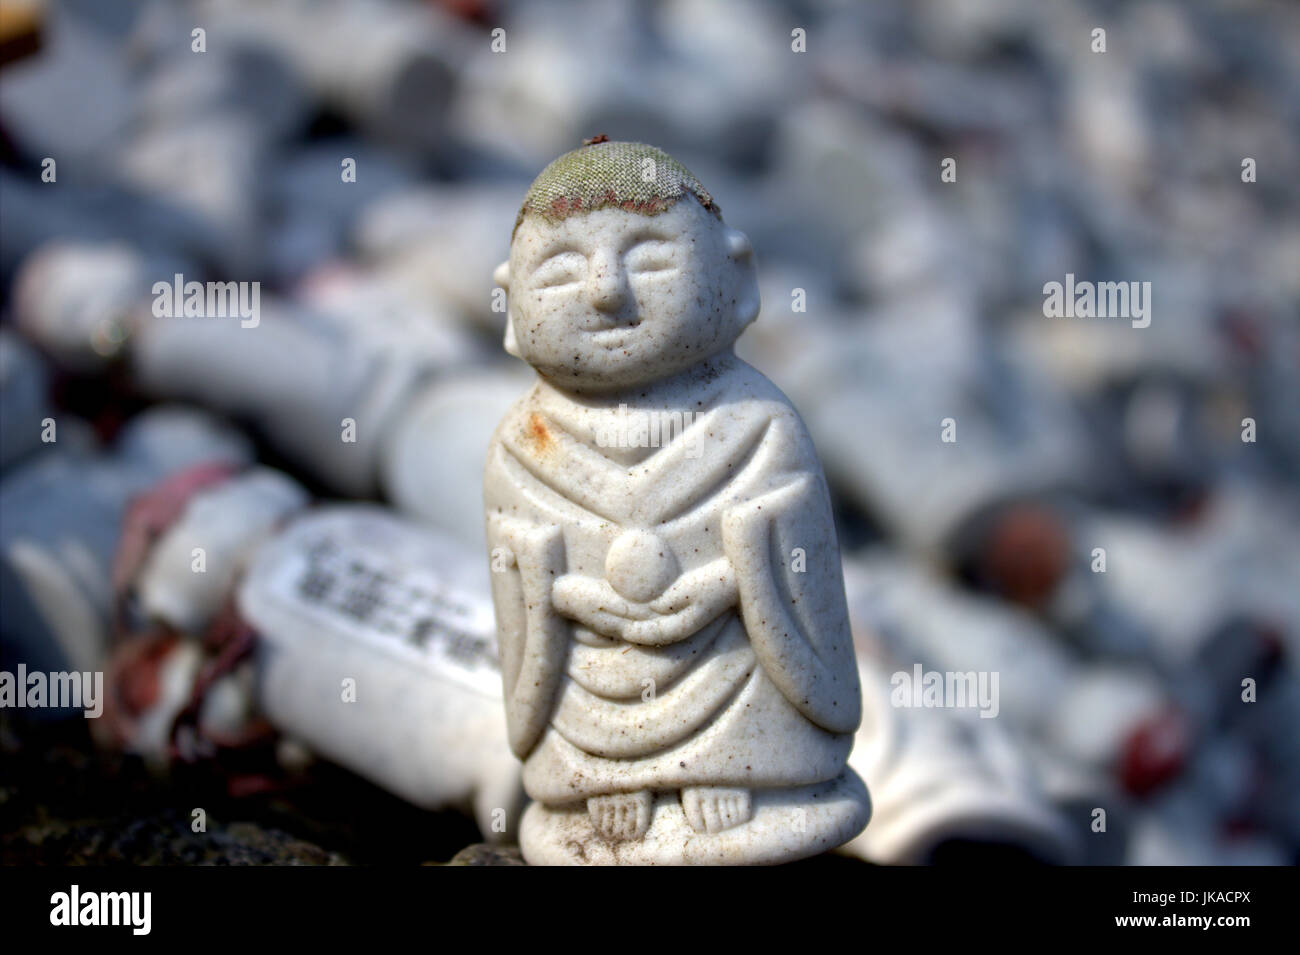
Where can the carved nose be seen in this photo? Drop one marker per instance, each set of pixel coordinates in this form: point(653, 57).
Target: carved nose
point(607, 286)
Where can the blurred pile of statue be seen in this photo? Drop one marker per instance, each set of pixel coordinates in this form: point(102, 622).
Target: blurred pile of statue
point(250, 326)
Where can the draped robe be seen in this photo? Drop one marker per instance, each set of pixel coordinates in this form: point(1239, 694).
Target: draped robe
point(764, 695)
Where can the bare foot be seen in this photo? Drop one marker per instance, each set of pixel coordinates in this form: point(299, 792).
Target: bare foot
point(714, 808)
point(620, 817)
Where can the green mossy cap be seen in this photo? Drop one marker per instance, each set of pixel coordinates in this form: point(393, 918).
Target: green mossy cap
point(602, 174)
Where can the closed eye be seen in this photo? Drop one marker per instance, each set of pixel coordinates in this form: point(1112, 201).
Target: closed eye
point(651, 256)
point(561, 269)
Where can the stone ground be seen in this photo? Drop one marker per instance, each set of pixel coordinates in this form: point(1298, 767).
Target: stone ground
point(62, 802)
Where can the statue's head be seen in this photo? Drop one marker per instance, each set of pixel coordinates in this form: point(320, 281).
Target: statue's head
point(622, 271)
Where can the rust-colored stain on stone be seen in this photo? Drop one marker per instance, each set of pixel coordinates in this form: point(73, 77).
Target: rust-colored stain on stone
point(538, 434)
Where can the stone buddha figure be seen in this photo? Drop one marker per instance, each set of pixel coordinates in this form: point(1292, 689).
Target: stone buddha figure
point(679, 674)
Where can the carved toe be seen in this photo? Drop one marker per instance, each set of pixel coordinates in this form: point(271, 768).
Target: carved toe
point(620, 817)
point(712, 809)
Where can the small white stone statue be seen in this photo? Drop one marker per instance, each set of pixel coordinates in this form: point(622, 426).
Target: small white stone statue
point(678, 667)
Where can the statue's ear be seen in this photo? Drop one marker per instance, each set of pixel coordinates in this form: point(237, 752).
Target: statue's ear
point(511, 344)
point(740, 251)
point(738, 245)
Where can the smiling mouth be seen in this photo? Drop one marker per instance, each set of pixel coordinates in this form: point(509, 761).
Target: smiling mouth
point(609, 328)
point(611, 338)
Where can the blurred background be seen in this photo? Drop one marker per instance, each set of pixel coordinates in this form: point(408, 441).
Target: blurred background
point(1102, 511)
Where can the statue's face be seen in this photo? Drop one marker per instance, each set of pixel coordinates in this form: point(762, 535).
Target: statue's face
point(610, 299)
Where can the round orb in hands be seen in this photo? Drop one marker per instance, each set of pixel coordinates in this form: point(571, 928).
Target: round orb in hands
point(640, 566)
